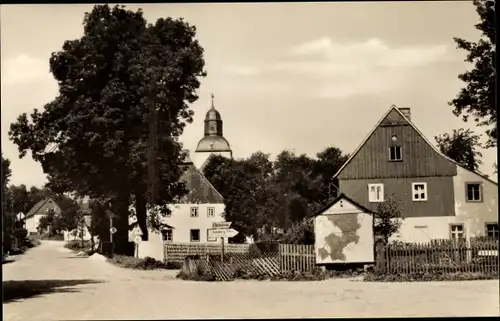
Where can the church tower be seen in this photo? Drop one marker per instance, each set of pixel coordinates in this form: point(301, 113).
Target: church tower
point(213, 143)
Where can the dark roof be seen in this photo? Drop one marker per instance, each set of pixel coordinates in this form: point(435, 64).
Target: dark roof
point(38, 206)
point(340, 197)
point(395, 116)
point(200, 190)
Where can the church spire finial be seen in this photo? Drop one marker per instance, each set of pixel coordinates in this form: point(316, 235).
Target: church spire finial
point(212, 100)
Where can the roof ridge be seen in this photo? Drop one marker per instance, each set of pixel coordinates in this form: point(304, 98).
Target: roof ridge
point(418, 132)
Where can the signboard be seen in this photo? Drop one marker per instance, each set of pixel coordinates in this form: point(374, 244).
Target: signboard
point(137, 231)
point(221, 225)
point(20, 216)
point(137, 239)
point(216, 233)
point(113, 230)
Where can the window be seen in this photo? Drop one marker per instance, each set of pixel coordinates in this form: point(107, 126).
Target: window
point(209, 239)
point(395, 153)
point(456, 232)
point(419, 191)
point(194, 212)
point(375, 193)
point(492, 230)
point(210, 211)
point(195, 235)
point(167, 235)
point(473, 192)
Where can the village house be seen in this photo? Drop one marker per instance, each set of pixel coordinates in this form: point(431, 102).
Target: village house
point(440, 199)
point(39, 210)
point(190, 219)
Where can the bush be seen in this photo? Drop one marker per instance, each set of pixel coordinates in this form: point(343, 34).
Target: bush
point(130, 262)
point(429, 276)
point(77, 246)
point(198, 275)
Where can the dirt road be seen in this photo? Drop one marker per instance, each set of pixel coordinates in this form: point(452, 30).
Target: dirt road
point(48, 284)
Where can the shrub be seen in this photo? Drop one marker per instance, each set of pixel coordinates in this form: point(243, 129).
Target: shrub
point(199, 274)
point(429, 276)
point(130, 262)
point(77, 246)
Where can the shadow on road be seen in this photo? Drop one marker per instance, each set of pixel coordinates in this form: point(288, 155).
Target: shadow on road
point(7, 261)
point(18, 290)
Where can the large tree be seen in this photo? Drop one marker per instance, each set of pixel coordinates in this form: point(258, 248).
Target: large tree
point(6, 222)
point(477, 98)
point(263, 195)
point(122, 80)
point(461, 146)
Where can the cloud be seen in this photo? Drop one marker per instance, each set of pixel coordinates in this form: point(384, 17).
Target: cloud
point(242, 70)
point(24, 69)
point(332, 69)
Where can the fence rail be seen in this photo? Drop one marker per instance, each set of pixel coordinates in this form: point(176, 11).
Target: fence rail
point(297, 257)
point(177, 252)
point(438, 257)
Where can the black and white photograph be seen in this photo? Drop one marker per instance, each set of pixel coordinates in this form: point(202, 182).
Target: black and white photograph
point(249, 160)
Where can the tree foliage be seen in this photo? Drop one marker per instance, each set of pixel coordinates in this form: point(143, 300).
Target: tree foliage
point(461, 146)
point(477, 98)
point(264, 196)
point(93, 138)
point(388, 218)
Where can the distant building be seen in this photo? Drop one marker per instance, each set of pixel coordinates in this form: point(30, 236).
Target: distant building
point(190, 219)
point(213, 143)
point(440, 198)
point(39, 210)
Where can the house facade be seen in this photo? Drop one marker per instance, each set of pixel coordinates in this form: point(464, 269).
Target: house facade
point(191, 218)
point(38, 211)
point(439, 198)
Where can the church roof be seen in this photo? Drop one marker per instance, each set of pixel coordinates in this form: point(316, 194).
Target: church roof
point(213, 144)
point(200, 190)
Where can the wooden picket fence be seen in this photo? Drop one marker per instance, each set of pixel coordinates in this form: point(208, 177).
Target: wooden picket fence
point(444, 257)
point(297, 257)
point(177, 252)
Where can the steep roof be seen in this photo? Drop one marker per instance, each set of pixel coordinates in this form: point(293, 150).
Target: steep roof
point(395, 111)
point(39, 206)
point(339, 198)
point(200, 190)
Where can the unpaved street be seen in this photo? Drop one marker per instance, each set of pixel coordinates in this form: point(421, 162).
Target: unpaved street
point(48, 284)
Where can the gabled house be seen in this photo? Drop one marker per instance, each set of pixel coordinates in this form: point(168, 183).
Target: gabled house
point(191, 218)
point(38, 211)
point(440, 199)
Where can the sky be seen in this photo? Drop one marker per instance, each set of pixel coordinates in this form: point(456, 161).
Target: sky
point(296, 76)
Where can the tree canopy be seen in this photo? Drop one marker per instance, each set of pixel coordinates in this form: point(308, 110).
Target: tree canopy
point(93, 138)
point(262, 196)
point(477, 98)
point(461, 146)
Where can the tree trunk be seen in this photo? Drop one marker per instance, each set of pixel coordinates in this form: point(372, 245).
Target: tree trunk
point(120, 221)
point(141, 213)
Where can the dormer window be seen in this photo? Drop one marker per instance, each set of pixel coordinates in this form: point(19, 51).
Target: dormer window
point(395, 154)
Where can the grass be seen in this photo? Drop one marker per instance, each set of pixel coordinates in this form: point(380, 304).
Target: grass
point(427, 277)
point(77, 246)
point(147, 263)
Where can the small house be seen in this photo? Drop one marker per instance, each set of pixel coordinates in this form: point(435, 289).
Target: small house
point(343, 232)
point(39, 210)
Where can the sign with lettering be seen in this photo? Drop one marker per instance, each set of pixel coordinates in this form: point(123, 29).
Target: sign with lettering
point(221, 225)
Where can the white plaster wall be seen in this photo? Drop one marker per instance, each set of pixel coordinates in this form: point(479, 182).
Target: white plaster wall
point(153, 247)
point(182, 222)
point(476, 215)
point(424, 229)
point(200, 157)
point(32, 223)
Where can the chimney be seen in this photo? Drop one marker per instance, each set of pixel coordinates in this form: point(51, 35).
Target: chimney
point(406, 111)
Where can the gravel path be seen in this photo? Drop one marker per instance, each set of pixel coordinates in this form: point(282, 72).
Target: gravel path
point(48, 284)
